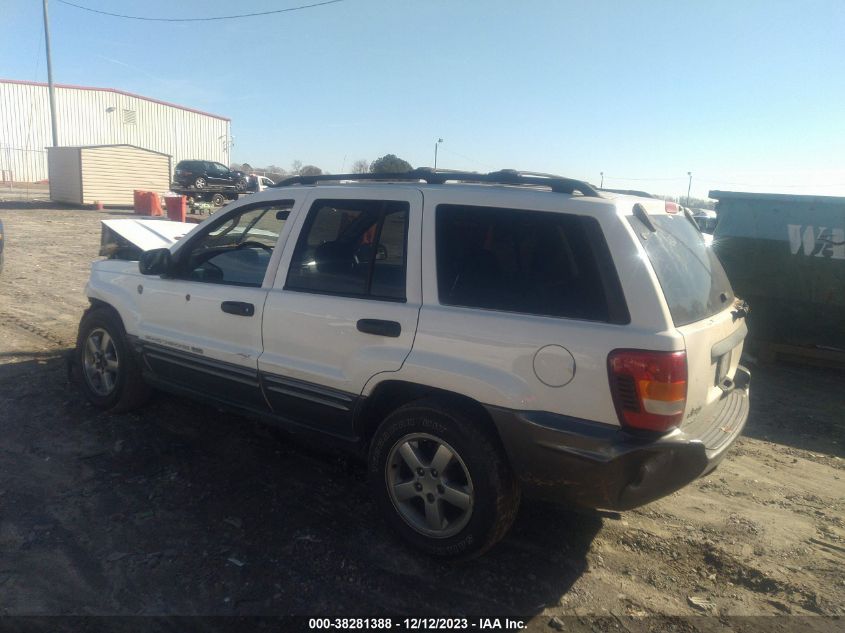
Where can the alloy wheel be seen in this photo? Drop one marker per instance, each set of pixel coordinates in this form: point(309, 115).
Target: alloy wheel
point(429, 485)
point(100, 362)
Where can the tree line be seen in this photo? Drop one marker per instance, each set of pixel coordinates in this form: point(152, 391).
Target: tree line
point(389, 163)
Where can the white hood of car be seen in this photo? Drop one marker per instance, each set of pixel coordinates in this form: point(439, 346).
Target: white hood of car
point(150, 234)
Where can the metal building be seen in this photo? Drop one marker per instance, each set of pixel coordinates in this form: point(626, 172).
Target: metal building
point(99, 116)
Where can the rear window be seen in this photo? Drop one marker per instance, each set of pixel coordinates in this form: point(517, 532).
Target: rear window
point(532, 262)
point(692, 278)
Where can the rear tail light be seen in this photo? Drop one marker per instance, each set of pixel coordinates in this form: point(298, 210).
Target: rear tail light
point(672, 207)
point(649, 388)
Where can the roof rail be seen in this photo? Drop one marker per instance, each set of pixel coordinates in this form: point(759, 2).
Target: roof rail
point(557, 184)
point(629, 192)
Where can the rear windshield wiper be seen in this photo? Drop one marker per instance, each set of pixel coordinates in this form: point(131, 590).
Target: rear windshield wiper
point(642, 215)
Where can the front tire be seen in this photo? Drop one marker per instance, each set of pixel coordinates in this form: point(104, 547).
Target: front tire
point(108, 369)
point(218, 200)
point(441, 480)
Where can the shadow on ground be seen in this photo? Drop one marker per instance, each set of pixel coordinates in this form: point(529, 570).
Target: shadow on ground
point(180, 509)
point(798, 406)
point(44, 204)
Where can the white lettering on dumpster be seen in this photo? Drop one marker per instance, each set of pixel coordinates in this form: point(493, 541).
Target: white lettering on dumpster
point(816, 241)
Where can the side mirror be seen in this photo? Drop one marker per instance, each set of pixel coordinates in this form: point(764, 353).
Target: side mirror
point(158, 261)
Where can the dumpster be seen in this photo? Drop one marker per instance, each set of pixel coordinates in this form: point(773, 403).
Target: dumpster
point(785, 255)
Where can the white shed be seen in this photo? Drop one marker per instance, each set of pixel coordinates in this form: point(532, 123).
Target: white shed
point(105, 173)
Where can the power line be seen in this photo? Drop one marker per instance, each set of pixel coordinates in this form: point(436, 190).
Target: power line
point(771, 184)
point(621, 178)
point(208, 19)
point(472, 160)
point(718, 181)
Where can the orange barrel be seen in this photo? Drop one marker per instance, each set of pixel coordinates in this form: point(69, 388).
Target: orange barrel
point(177, 207)
point(140, 203)
point(155, 203)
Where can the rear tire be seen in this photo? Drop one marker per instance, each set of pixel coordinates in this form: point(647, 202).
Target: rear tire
point(108, 369)
point(200, 183)
point(218, 200)
point(442, 481)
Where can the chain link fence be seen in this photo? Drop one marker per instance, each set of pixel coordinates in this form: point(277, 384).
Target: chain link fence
point(23, 175)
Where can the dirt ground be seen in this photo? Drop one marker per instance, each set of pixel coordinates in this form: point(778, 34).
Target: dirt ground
point(180, 509)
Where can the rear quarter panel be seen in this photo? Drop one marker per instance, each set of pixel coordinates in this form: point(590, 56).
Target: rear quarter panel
point(490, 355)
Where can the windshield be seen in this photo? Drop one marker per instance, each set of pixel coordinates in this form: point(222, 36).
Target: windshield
point(692, 278)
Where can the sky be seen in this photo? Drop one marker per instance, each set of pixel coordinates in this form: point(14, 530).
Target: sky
point(748, 95)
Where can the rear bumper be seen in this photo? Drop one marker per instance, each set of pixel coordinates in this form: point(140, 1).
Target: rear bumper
point(601, 466)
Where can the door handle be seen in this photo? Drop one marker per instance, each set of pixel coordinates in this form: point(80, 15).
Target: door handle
point(238, 308)
point(379, 327)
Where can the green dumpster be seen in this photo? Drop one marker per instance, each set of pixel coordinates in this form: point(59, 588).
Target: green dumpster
point(785, 255)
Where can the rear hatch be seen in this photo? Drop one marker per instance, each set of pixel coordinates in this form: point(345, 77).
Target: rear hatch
point(703, 308)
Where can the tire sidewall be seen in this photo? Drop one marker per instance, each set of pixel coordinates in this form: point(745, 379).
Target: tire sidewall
point(107, 321)
point(473, 447)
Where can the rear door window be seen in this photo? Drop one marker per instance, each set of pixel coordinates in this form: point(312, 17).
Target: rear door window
point(352, 248)
point(533, 262)
point(692, 278)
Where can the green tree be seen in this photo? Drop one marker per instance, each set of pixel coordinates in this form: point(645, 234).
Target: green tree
point(310, 170)
point(390, 164)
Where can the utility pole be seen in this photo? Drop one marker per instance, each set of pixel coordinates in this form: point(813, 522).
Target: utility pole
point(440, 140)
point(601, 186)
point(50, 78)
point(689, 186)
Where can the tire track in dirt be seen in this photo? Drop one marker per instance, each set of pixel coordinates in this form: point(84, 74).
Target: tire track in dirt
point(16, 321)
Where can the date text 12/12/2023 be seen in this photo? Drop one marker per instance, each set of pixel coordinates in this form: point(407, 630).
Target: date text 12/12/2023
point(417, 624)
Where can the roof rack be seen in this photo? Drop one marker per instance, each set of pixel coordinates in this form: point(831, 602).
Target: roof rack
point(557, 184)
point(629, 192)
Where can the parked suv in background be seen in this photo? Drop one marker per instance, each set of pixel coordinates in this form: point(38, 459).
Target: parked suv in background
point(476, 336)
point(202, 174)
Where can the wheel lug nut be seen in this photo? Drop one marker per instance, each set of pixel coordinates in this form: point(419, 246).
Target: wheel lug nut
point(440, 489)
point(433, 472)
point(430, 497)
point(420, 472)
point(418, 487)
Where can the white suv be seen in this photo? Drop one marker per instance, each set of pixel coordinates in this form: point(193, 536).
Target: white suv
point(477, 336)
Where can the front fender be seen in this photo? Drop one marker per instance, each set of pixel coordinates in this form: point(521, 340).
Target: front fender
point(116, 283)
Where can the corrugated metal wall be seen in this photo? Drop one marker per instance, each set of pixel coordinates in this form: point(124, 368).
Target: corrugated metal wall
point(99, 117)
point(66, 183)
point(111, 174)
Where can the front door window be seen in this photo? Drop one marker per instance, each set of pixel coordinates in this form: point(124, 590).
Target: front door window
point(237, 251)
